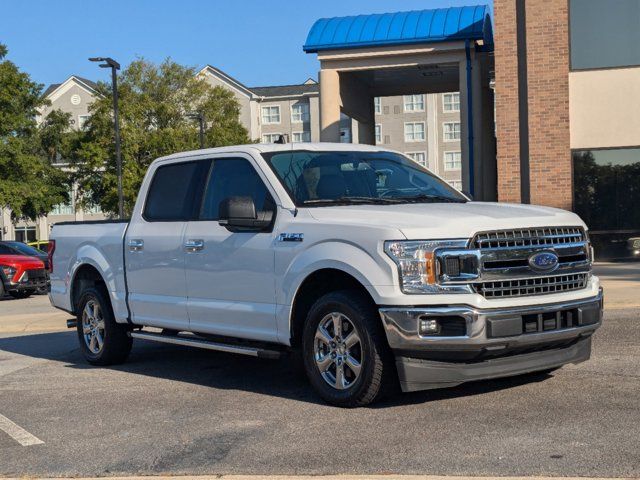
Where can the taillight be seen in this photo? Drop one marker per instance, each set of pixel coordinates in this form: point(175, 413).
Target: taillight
point(50, 249)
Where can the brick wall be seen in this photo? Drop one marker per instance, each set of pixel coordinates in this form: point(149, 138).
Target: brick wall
point(506, 72)
point(548, 101)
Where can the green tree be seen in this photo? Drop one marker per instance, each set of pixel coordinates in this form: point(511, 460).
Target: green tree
point(29, 185)
point(154, 103)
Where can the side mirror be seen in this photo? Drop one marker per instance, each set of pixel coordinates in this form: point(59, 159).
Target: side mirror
point(238, 214)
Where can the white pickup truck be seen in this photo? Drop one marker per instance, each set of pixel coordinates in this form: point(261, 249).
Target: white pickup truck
point(371, 267)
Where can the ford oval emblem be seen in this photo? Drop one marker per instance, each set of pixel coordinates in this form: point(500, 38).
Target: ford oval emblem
point(543, 261)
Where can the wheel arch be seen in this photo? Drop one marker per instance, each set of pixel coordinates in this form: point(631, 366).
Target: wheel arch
point(85, 275)
point(315, 285)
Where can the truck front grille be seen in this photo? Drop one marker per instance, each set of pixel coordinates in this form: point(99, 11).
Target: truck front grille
point(529, 237)
point(532, 286)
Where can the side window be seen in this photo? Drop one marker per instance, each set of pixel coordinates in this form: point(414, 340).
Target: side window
point(234, 177)
point(173, 192)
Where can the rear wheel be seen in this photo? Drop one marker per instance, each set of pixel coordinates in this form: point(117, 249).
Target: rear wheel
point(345, 353)
point(102, 340)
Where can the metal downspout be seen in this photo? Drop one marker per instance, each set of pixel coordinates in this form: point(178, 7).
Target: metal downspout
point(467, 50)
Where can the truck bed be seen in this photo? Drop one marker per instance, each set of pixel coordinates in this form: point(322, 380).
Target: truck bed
point(91, 243)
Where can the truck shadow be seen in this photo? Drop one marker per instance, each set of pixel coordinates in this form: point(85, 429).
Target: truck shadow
point(277, 378)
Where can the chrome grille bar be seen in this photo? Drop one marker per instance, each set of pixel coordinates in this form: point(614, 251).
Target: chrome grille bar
point(529, 237)
point(532, 286)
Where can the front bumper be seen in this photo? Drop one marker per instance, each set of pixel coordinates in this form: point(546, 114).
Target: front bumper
point(26, 284)
point(492, 342)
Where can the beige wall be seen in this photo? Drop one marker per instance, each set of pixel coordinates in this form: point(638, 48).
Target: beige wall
point(63, 102)
point(243, 100)
point(604, 108)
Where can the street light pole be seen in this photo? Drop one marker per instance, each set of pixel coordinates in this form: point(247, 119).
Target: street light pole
point(114, 66)
point(200, 117)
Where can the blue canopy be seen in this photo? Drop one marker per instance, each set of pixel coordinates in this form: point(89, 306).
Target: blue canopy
point(400, 28)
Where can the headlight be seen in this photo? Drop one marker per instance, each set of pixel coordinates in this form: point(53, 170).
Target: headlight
point(9, 272)
point(418, 266)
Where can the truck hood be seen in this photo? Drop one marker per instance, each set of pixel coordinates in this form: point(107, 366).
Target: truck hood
point(447, 220)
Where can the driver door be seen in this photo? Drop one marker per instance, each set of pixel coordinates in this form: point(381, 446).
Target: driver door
point(231, 275)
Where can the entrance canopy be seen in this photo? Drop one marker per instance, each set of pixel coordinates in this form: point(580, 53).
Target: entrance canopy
point(401, 28)
point(417, 52)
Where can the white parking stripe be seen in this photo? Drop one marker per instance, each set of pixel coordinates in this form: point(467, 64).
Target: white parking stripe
point(18, 433)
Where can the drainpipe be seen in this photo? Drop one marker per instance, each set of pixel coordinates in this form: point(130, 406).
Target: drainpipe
point(467, 50)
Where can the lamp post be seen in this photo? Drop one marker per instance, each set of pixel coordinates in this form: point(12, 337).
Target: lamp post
point(114, 66)
point(200, 117)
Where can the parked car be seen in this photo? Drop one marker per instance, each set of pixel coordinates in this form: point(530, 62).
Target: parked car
point(29, 250)
point(372, 268)
point(20, 275)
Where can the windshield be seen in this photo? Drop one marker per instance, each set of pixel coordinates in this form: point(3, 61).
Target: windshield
point(25, 249)
point(345, 178)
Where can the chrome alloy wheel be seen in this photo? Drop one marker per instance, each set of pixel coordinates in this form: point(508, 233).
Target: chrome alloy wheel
point(338, 351)
point(93, 326)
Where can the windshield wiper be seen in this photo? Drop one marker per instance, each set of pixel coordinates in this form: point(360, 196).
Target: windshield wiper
point(424, 197)
point(353, 201)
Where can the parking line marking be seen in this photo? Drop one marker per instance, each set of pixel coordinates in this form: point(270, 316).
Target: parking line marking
point(18, 433)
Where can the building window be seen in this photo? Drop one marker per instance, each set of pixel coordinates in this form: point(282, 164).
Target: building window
point(271, 114)
point(606, 195)
point(457, 184)
point(297, 137)
point(451, 131)
point(603, 34)
point(414, 132)
point(377, 105)
point(452, 161)
point(378, 133)
point(82, 121)
point(345, 135)
point(271, 137)
point(419, 157)
point(451, 102)
point(299, 113)
point(414, 103)
point(64, 208)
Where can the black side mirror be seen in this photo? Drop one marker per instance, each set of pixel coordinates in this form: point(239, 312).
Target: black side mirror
point(238, 214)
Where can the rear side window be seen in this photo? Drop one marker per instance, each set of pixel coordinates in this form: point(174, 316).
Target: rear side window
point(174, 192)
point(234, 177)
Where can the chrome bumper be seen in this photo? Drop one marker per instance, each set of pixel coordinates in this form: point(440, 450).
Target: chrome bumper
point(495, 342)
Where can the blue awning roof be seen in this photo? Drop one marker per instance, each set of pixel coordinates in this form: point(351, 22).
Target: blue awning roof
point(419, 26)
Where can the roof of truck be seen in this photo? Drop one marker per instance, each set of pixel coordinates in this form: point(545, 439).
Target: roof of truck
point(277, 147)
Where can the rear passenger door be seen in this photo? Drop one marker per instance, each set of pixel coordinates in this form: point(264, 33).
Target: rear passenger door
point(230, 275)
point(154, 246)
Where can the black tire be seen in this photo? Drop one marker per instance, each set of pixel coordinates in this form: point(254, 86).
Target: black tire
point(116, 343)
point(377, 373)
point(21, 294)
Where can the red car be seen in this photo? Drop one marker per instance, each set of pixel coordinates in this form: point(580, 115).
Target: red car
point(20, 276)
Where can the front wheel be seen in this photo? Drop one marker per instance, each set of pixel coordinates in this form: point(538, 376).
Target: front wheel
point(102, 340)
point(345, 352)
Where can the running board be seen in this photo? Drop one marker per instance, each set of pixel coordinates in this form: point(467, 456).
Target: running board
point(201, 343)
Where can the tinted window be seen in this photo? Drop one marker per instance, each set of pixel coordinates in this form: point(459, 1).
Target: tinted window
point(607, 195)
point(604, 34)
point(26, 249)
point(234, 177)
point(173, 192)
point(6, 250)
point(316, 177)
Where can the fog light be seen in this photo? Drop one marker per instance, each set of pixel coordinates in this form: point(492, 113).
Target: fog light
point(428, 326)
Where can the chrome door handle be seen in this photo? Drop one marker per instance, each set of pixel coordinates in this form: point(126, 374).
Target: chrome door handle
point(136, 245)
point(194, 245)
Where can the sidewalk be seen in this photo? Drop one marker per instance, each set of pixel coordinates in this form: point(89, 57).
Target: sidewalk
point(333, 477)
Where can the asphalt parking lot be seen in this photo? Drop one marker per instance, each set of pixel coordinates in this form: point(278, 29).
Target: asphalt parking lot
point(172, 410)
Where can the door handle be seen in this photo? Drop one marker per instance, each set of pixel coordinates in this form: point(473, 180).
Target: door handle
point(194, 245)
point(136, 245)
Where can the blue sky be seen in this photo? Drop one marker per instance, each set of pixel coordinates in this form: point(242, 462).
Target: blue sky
point(259, 42)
